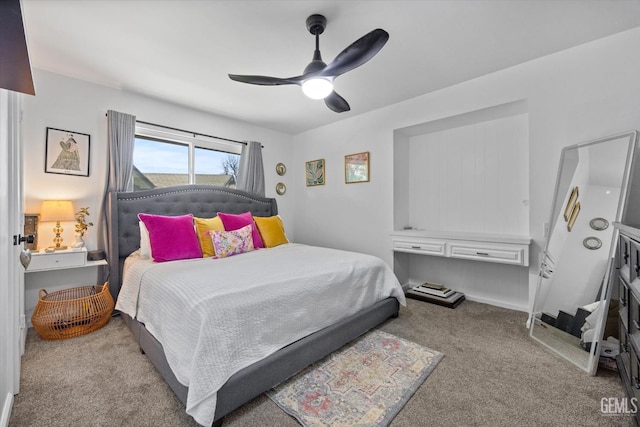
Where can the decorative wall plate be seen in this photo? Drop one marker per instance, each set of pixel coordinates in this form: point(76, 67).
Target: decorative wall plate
point(592, 243)
point(599, 224)
point(281, 169)
point(281, 188)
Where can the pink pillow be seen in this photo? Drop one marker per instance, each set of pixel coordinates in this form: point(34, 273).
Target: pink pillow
point(171, 237)
point(233, 222)
point(227, 243)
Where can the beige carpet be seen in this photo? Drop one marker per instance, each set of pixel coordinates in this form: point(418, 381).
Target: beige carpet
point(492, 375)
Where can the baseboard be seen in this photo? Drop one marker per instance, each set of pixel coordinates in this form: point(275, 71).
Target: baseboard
point(6, 410)
point(497, 303)
point(484, 300)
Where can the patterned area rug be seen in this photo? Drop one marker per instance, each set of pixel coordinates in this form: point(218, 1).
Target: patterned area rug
point(365, 383)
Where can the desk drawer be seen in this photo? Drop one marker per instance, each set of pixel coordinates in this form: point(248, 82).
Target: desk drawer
point(503, 255)
point(427, 248)
point(50, 261)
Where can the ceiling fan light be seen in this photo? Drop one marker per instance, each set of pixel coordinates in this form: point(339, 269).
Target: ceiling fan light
point(317, 88)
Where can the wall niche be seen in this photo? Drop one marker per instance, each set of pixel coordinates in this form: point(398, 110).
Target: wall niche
point(467, 173)
point(463, 182)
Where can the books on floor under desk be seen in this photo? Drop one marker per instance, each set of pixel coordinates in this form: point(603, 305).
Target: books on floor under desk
point(436, 293)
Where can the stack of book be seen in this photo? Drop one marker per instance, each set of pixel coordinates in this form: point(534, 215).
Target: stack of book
point(437, 294)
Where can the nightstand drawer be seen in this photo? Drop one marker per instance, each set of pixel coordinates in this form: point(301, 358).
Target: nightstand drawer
point(55, 260)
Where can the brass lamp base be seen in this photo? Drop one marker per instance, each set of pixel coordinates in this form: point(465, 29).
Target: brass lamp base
point(58, 239)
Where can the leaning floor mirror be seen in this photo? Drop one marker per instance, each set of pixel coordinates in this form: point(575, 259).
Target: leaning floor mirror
point(572, 295)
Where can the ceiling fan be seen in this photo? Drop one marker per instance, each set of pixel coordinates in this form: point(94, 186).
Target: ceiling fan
point(317, 79)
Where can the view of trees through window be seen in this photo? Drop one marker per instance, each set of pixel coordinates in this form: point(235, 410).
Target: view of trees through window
point(158, 163)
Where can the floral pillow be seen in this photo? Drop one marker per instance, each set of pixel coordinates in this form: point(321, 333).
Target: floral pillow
point(227, 243)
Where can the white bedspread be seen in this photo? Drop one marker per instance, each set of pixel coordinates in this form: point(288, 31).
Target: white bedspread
point(214, 317)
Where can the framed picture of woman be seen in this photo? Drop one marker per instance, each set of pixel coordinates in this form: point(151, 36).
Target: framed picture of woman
point(67, 152)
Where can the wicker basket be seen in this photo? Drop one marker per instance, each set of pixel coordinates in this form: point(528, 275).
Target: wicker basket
point(72, 312)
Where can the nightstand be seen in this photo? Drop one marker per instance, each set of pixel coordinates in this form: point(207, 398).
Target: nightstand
point(55, 271)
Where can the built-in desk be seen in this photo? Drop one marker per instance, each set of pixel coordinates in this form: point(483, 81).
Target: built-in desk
point(413, 264)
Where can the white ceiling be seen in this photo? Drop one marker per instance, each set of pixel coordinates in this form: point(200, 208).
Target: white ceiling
point(182, 51)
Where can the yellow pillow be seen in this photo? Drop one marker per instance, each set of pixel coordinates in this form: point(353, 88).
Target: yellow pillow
point(202, 226)
point(271, 230)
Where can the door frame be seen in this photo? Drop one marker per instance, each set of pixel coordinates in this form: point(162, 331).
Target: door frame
point(11, 272)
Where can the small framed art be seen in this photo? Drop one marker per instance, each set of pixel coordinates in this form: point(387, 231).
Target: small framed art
point(356, 168)
point(67, 152)
point(574, 216)
point(314, 172)
point(573, 198)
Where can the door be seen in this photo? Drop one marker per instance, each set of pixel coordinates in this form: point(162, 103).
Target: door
point(11, 271)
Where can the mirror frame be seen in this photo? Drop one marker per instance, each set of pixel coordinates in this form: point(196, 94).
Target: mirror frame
point(543, 272)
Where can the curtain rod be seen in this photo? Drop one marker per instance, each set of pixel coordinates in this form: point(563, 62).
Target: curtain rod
point(193, 133)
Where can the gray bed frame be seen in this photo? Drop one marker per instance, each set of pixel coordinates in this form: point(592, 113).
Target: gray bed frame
point(206, 201)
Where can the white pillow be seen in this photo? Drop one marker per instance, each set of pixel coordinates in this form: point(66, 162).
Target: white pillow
point(145, 243)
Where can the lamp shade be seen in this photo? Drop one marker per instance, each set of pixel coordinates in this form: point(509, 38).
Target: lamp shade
point(57, 210)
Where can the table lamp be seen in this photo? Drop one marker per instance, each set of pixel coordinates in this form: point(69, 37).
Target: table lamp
point(57, 210)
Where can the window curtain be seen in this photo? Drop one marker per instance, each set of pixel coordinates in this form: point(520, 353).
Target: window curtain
point(251, 170)
point(121, 132)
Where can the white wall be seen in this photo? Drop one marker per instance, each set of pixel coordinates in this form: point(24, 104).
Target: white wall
point(572, 96)
point(471, 178)
point(70, 104)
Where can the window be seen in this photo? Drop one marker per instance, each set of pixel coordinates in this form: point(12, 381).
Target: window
point(163, 158)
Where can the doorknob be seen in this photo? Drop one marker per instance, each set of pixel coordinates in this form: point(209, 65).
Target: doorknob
point(25, 254)
point(25, 258)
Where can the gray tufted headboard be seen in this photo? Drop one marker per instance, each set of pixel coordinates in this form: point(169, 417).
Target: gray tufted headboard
point(204, 201)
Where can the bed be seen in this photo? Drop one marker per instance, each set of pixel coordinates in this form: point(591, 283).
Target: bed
point(254, 379)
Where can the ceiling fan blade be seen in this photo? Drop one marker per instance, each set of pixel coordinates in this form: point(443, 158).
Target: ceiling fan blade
point(357, 53)
point(337, 103)
point(266, 80)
